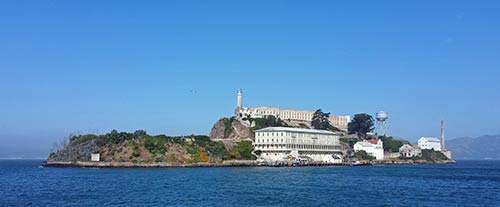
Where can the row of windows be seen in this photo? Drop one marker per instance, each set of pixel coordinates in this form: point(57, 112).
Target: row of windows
point(301, 141)
point(303, 154)
point(275, 134)
point(297, 146)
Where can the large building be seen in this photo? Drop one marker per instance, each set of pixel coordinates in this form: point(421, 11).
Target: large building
point(429, 143)
point(374, 148)
point(285, 114)
point(277, 144)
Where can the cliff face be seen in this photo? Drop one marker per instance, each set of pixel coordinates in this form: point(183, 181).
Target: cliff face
point(76, 151)
point(230, 128)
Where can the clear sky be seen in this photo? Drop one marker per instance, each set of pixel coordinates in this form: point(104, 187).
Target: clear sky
point(173, 67)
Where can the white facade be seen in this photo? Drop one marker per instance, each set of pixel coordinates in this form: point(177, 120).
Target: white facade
point(374, 148)
point(286, 144)
point(286, 114)
point(429, 143)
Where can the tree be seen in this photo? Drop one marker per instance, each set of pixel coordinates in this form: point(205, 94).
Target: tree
point(320, 121)
point(361, 124)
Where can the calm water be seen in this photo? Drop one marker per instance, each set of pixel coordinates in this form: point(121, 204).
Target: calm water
point(467, 183)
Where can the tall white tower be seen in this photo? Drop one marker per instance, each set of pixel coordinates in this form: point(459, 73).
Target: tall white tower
point(240, 97)
point(442, 136)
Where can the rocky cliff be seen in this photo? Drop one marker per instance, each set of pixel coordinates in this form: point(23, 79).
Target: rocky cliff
point(231, 128)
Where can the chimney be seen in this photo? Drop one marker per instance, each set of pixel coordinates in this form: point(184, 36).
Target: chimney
point(442, 135)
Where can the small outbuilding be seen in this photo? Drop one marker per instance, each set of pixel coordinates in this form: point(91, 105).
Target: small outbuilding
point(409, 151)
point(95, 157)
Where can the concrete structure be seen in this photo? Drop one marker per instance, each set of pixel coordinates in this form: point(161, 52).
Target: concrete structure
point(417, 150)
point(285, 114)
point(283, 144)
point(372, 147)
point(391, 155)
point(443, 148)
point(429, 143)
point(409, 151)
point(95, 157)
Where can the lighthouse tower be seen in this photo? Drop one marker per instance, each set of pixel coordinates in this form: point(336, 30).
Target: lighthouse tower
point(239, 97)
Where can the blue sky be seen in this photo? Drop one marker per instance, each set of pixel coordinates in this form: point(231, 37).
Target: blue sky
point(173, 67)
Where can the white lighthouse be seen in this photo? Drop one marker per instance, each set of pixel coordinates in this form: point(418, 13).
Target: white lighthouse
point(240, 97)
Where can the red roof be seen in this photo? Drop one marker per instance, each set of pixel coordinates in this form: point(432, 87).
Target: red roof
point(373, 141)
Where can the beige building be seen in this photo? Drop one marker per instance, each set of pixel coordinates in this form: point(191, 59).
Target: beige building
point(285, 114)
point(285, 144)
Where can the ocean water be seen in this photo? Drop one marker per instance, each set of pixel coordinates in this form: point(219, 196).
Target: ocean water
point(466, 183)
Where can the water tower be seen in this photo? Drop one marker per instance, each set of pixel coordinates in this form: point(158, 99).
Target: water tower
point(382, 118)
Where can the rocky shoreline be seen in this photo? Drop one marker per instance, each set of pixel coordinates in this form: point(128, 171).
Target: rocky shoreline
point(235, 163)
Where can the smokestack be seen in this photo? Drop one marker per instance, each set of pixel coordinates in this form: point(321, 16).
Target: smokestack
point(442, 135)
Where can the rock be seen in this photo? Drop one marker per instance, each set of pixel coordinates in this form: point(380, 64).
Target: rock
point(238, 130)
point(74, 152)
point(217, 131)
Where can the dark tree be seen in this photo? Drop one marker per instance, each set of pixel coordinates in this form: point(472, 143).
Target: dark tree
point(361, 124)
point(272, 121)
point(320, 121)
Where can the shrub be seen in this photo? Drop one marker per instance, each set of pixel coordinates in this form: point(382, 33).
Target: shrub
point(362, 155)
point(155, 145)
point(243, 150)
point(136, 154)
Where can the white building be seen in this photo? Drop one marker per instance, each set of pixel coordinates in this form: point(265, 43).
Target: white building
point(95, 157)
point(285, 114)
point(372, 147)
point(287, 144)
point(429, 143)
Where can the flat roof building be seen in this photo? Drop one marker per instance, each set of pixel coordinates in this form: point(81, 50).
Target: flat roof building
point(287, 144)
point(429, 143)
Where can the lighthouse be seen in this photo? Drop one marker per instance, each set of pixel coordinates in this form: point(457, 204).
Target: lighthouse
point(239, 103)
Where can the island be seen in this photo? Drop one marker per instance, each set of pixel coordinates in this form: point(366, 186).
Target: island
point(261, 136)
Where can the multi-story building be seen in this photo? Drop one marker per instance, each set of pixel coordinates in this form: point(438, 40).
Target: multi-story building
point(429, 143)
point(374, 148)
point(285, 144)
point(285, 114)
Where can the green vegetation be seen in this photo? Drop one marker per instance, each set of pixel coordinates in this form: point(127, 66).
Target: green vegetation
point(156, 144)
point(228, 126)
point(431, 155)
point(268, 121)
point(344, 140)
point(243, 150)
point(361, 124)
point(391, 144)
point(320, 121)
point(83, 138)
point(141, 147)
point(362, 155)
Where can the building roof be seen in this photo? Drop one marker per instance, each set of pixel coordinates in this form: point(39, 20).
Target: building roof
point(297, 130)
point(431, 139)
point(365, 144)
